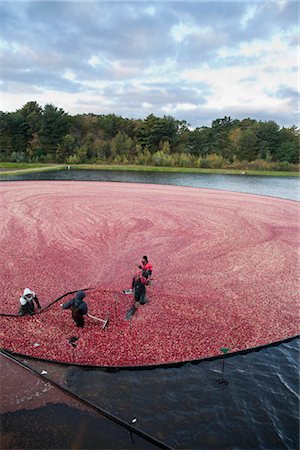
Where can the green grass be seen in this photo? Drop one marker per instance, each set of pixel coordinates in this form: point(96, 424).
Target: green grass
point(182, 170)
point(15, 165)
point(21, 168)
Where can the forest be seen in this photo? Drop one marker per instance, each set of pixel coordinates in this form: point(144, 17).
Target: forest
point(50, 135)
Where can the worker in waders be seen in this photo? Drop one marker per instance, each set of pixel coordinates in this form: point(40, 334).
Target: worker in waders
point(78, 307)
point(138, 286)
point(27, 301)
point(146, 267)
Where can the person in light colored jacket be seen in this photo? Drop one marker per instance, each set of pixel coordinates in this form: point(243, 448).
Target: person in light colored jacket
point(27, 301)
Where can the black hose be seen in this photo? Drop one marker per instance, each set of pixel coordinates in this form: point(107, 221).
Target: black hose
point(152, 366)
point(48, 306)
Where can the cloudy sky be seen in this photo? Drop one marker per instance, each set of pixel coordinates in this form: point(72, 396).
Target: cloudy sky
point(196, 61)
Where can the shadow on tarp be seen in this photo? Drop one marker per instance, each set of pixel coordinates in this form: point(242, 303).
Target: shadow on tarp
point(37, 413)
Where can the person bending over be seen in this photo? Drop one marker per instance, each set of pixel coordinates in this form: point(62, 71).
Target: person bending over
point(27, 301)
point(138, 286)
point(78, 307)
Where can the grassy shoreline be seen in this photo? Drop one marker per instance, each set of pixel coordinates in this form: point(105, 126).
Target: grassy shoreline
point(19, 169)
point(22, 168)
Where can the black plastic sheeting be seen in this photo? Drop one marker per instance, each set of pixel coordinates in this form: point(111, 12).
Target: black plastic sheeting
point(39, 413)
point(154, 366)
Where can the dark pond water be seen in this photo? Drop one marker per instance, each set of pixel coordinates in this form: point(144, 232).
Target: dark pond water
point(191, 407)
point(285, 187)
point(45, 416)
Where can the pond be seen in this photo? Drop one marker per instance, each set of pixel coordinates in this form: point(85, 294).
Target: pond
point(285, 187)
point(250, 402)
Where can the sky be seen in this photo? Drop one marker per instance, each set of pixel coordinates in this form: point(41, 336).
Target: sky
point(193, 60)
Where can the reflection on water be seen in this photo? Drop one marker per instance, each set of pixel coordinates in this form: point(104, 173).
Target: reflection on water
point(285, 187)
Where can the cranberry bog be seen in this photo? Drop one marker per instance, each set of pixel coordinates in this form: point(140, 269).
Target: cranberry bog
point(225, 270)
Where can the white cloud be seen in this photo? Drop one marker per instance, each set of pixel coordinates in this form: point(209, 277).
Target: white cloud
point(94, 60)
point(249, 85)
point(69, 75)
point(180, 31)
point(147, 105)
point(191, 59)
point(281, 4)
point(249, 14)
point(150, 10)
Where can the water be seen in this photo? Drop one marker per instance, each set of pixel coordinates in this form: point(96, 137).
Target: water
point(191, 406)
point(250, 403)
point(285, 187)
point(40, 415)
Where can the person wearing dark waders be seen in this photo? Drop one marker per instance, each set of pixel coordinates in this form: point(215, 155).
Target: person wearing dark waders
point(78, 307)
point(27, 301)
point(138, 286)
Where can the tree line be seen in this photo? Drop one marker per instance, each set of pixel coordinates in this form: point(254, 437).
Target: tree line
point(50, 135)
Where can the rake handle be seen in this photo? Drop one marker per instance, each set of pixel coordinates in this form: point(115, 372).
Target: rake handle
point(97, 318)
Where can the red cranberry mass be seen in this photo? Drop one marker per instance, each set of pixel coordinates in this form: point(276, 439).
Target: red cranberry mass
point(224, 270)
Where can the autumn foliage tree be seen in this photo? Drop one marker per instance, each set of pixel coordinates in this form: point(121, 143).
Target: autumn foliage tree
point(49, 134)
